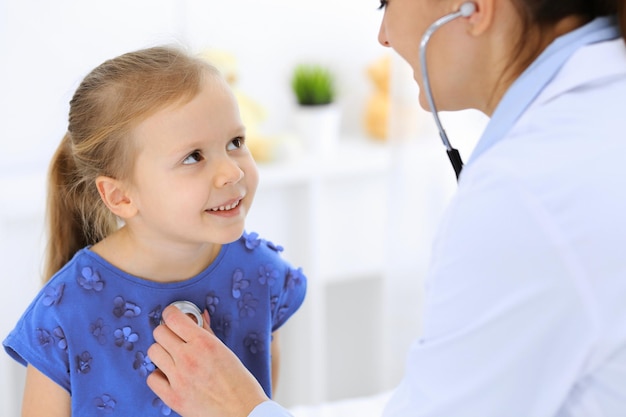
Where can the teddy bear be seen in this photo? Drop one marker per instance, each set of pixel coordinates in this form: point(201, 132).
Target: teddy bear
point(376, 116)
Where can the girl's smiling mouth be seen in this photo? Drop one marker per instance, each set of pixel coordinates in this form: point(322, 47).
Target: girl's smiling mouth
point(226, 207)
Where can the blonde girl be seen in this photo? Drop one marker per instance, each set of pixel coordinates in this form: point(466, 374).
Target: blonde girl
point(148, 193)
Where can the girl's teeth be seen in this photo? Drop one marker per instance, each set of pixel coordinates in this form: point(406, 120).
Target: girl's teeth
point(228, 207)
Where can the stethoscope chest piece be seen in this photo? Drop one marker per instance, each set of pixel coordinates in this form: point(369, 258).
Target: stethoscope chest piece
point(190, 309)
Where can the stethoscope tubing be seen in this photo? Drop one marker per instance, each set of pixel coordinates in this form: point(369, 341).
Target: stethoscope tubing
point(453, 154)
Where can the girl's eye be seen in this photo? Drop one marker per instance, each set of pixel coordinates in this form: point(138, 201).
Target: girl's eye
point(383, 4)
point(193, 158)
point(236, 143)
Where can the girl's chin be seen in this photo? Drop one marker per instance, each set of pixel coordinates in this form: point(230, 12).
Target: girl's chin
point(232, 234)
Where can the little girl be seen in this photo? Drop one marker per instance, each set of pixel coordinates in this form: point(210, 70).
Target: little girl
point(147, 197)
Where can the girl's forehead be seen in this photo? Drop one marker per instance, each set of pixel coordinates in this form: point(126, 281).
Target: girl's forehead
point(207, 114)
point(213, 92)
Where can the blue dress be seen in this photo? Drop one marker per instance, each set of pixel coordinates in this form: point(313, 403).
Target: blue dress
point(90, 326)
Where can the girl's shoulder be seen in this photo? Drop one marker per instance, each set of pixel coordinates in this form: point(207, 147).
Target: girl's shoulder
point(85, 266)
point(253, 253)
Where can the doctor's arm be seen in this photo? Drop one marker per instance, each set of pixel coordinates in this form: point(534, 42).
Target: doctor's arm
point(198, 376)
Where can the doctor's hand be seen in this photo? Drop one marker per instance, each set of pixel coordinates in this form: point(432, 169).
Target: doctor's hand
point(197, 375)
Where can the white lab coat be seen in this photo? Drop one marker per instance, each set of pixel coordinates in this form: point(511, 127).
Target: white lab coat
point(526, 294)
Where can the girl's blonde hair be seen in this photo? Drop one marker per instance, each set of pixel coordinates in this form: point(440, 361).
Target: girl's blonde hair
point(110, 101)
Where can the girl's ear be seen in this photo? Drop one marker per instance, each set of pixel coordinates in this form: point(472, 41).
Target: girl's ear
point(115, 197)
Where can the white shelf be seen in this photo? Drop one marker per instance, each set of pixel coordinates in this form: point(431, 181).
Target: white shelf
point(354, 157)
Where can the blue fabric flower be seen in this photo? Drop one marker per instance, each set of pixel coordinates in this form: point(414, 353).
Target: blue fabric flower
point(143, 364)
point(105, 403)
point(267, 274)
point(44, 338)
point(247, 305)
point(252, 240)
point(212, 300)
point(254, 342)
point(99, 330)
point(90, 279)
point(53, 295)
point(273, 303)
point(222, 326)
point(155, 316)
point(295, 278)
point(60, 336)
point(274, 247)
point(83, 362)
point(125, 337)
point(125, 308)
point(158, 403)
point(281, 312)
point(239, 283)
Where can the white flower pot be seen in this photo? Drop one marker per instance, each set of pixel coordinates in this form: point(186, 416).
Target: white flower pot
point(317, 127)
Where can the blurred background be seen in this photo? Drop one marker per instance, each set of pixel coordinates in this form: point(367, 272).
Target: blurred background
point(358, 216)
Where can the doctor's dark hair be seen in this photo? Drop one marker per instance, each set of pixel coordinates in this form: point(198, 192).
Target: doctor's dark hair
point(109, 102)
point(543, 14)
point(550, 11)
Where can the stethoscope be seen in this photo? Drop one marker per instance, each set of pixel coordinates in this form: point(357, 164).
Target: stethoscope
point(466, 10)
point(190, 309)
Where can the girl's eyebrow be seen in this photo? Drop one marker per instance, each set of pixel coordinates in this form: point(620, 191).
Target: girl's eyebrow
point(239, 131)
point(184, 146)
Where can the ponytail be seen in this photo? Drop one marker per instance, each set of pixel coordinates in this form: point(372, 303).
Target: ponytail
point(76, 217)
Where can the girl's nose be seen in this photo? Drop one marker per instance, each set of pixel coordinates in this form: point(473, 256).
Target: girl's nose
point(227, 171)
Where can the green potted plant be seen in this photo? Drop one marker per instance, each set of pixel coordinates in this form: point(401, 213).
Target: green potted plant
point(313, 85)
point(317, 116)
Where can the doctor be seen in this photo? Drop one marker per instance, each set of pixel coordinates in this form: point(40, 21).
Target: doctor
point(526, 292)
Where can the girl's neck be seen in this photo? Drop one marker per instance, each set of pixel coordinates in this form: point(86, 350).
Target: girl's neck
point(154, 261)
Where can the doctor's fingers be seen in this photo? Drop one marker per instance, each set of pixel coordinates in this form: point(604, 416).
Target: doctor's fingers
point(161, 358)
point(174, 354)
point(180, 324)
point(159, 384)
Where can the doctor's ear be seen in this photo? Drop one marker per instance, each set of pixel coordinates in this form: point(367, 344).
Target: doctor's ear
point(114, 195)
point(482, 16)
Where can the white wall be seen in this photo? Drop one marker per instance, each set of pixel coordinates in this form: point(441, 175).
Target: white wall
point(47, 47)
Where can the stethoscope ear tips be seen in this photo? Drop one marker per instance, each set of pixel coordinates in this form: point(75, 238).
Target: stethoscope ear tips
point(467, 9)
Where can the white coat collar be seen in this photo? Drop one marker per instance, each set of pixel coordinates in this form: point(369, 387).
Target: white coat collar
point(589, 65)
point(539, 75)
